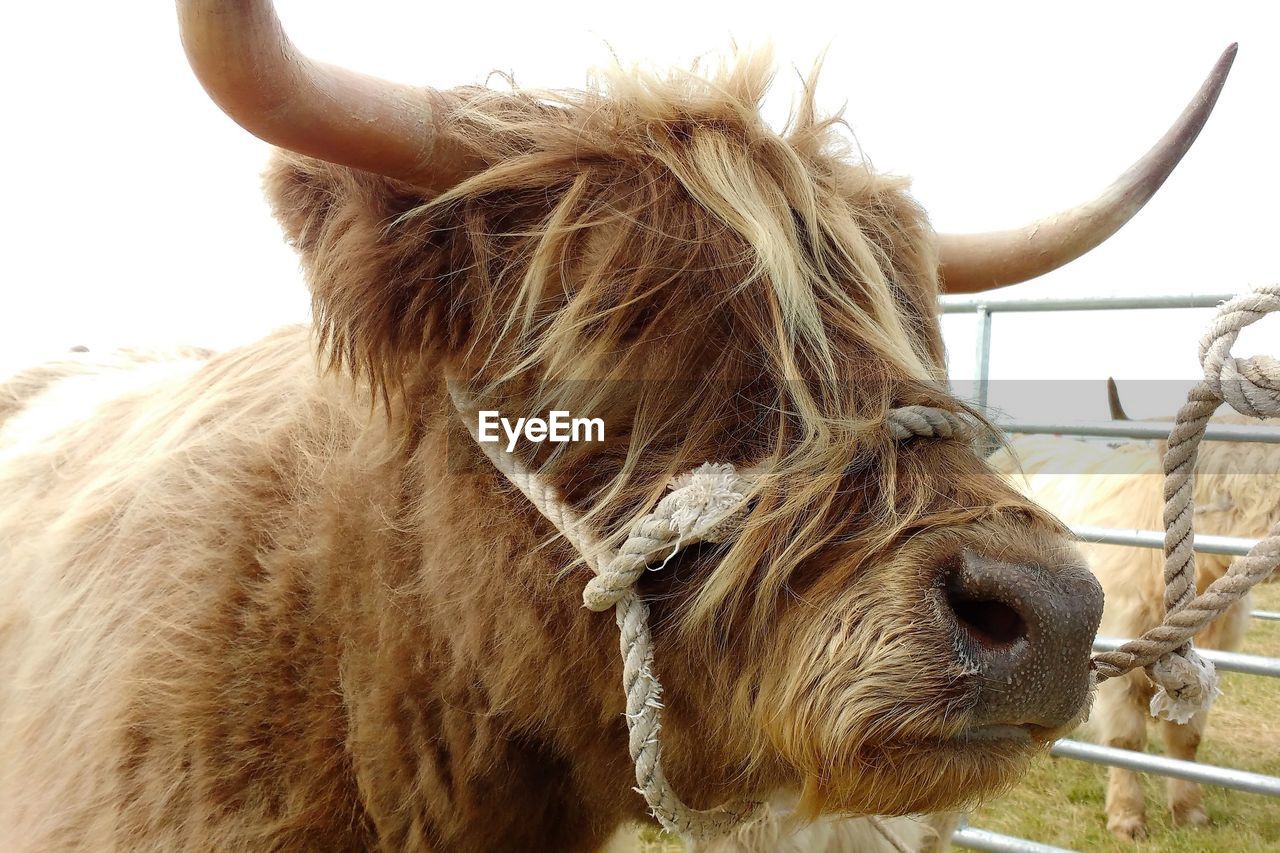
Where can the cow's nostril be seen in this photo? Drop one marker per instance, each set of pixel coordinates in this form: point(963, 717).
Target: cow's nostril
point(992, 623)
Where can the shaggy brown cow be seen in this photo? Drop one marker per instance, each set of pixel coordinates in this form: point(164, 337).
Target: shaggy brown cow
point(276, 599)
point(1089, 483)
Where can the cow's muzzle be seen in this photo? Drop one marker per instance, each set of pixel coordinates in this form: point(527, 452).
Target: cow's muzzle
point(1024, 633)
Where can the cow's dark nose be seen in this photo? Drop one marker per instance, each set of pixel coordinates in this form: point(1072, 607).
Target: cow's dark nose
point(1025, 632)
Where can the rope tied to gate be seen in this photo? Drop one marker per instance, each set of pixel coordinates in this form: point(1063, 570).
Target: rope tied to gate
point(707, 504)
point(1186, 683)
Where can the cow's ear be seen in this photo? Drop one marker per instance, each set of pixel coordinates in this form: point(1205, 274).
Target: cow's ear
point(379, 273)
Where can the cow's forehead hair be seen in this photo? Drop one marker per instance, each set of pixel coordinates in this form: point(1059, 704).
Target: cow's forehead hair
point(653, 229)
point(677, 175)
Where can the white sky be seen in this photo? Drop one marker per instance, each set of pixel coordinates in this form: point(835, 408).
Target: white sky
point(133, 214)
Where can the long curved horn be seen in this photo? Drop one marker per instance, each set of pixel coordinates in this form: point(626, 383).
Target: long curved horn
point(1113, 401)
point(976, 262)
point(249, 67)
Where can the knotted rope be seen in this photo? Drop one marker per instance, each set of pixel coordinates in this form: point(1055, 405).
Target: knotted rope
point(927, 422)
point(704, 505)
point(1186, 682)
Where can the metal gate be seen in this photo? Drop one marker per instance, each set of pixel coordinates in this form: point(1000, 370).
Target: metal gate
point(986, 309)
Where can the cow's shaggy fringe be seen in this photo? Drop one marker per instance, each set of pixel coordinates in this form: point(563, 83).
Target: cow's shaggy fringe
point(627, 237)
point(247, 605)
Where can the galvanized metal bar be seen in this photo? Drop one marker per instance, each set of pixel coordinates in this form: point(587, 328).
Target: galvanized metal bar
point(1266, 614)
point(973, 838)
point(1208, 774)
point(1205, 543)
point(963, 304)
point(1229, 661)
point(1144, 430)
point(982, 358)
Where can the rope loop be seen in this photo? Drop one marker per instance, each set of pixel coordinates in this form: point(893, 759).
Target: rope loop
point(704, 505)
point(1251, 386)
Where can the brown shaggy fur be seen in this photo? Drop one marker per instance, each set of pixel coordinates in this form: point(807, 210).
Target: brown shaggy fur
point(1237, 493)
point(254, 603)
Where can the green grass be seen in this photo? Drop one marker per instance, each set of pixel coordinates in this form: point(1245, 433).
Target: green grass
point(656, 841)
point(1060, 801)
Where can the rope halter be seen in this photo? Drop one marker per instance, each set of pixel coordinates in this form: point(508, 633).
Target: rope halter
point(707, 504)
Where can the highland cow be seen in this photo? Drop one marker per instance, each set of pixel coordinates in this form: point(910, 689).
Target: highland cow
point(276, 599)
point(1089, 483)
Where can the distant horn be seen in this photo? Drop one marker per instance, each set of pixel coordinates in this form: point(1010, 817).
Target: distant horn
point(977, 262)
point(249, 67)
point(1113, 402)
